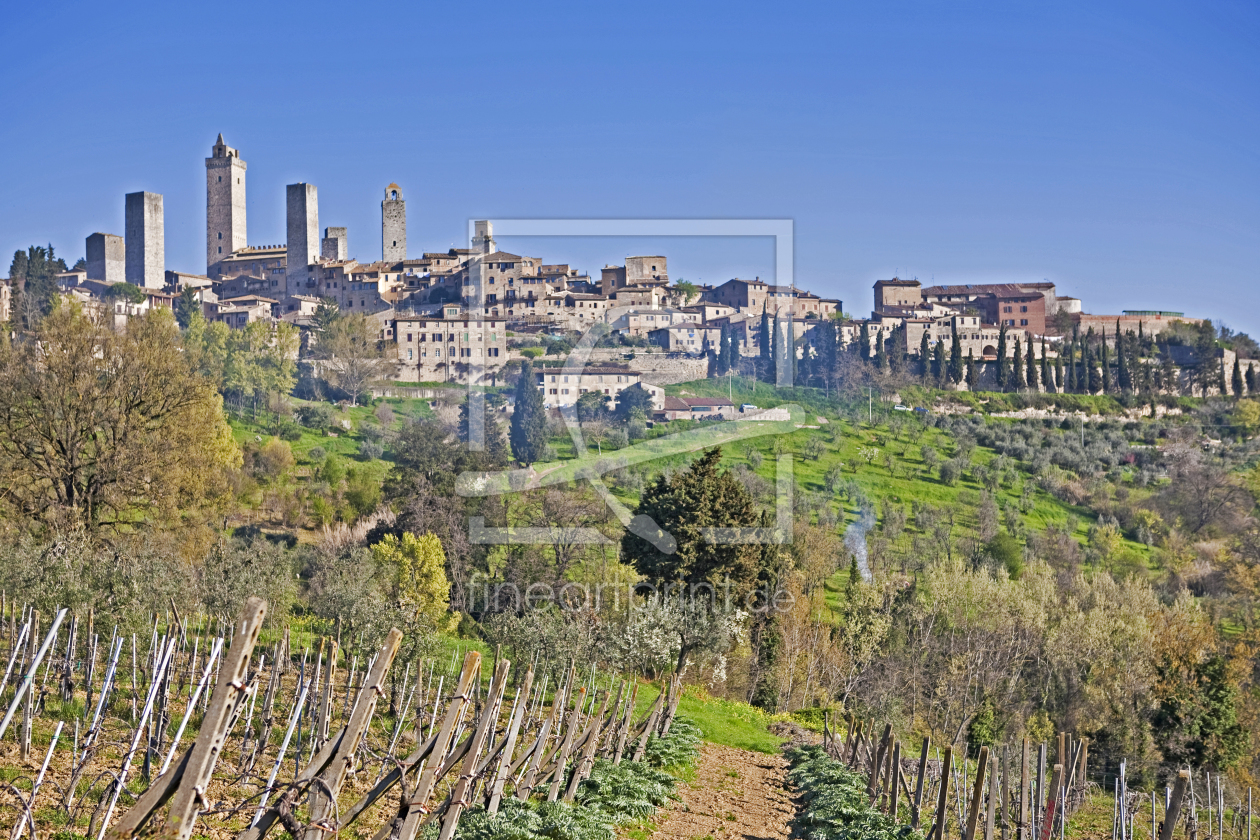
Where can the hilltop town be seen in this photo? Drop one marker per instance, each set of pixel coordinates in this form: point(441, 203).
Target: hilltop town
point(463, 314)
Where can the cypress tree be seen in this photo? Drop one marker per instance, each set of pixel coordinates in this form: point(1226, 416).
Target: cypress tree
point(864, 343)
point(939, 353)
point(1001, 359)
point(1250, 378)
point(1106, 364)
point(765, 338)
point(881, 355)
point(1124, 376)
point(1047, 375)
point(1092, 373)
point(776, 349)
point(528, 433)
point(1168, 371)
point(1238, 378)
point(1017, 367)
point(1031, 361)
point(955, 354)
point(973, 384)
point(897, 355)
point(791, 351)
point(924, 355)
point(1058, 373)
point(1070, 384)
point(1221, 387)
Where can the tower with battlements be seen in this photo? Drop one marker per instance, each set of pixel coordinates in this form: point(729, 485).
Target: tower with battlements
point(225, 205)
point(393, 225)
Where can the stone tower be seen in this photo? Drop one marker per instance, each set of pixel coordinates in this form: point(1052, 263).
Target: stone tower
point(225, 205)
point(483, 238)
point(302, 250)
point(146, 241)
point(334, 245)
point(393, 225)
point(106, 258)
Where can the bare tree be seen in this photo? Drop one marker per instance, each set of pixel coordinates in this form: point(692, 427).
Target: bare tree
point(352, 353)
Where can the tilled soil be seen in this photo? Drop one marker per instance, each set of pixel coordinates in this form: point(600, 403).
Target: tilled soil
point(736, 795)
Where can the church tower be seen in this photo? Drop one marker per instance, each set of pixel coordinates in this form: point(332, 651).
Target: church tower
point(393, 225)
point(225, 205)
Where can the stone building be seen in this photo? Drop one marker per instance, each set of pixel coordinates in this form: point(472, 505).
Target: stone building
point(225, 205)
point(146, 241)
point(562, 388)
point(106, 258)
point(302, 247)
point(637, 271)
point(751, 295)
point(687, 338)
point(449, 343)
point(393, 225)
point(335, 244)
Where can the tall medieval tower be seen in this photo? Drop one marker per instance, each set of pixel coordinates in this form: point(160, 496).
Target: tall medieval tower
point(302, 247)
point(393, 225)
point(225, 205)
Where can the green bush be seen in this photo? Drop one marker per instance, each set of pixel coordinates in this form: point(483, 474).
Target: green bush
point(531, 352)
point(316, 416)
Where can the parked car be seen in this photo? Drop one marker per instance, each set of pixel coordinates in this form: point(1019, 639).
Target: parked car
point(900, 408)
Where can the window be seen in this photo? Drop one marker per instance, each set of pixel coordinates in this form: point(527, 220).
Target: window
point(1023, 322)
point(409, 336)
point(409, 355)
point(552, 391)
point(1023, 309)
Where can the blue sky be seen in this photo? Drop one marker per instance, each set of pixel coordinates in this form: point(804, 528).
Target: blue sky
point(1111, 148)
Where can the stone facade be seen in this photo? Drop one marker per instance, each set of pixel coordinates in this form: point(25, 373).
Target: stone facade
point(302, 247)
point(106, 258)
point(335, 244)
point(393, 225)
point(562, 388)
point(146, 240)
point(225, 205)
point(448, 343)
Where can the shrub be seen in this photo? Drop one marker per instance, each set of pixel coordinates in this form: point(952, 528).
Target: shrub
point(274, 460)
point(316, 454)
point(363, 494)
point(371, 450)
point(291, 432)
point(371, 433)
point(834, 802)
point(950, 472)
point(316, 416)
point(531, 352)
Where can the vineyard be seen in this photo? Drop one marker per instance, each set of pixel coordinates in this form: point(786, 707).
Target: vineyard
point(219, 734)
point(863, 784)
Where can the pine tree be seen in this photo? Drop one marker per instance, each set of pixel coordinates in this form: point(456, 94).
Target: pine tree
point(528, 434)
point(973, 383)
point(1238, 378)
point(1031, 362)
point(955, 354)
point(1001, 359)
point(925, 357)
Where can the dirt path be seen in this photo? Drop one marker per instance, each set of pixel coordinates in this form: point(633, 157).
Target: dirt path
point(736, 795)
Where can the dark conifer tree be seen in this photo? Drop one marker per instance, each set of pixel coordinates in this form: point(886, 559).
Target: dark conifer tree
point(1238, 378)
point(925, 355)
point(940, 372)
point(1031, 363)
point(1017, 367)
point(973, 383)
point(1058, 373)
point(1106, 364)
point(528, 432)
point(1250, 378)
point(955, 354)
point(1001, 359)
point(765, 337)
point(864, 342)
